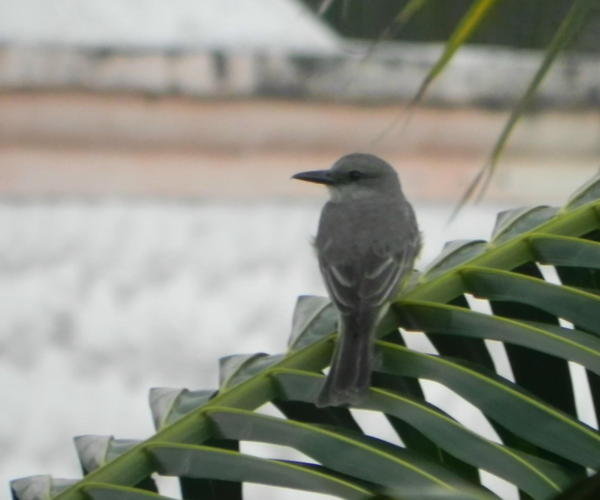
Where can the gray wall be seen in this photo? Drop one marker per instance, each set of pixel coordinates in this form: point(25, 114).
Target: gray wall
point(478, 76)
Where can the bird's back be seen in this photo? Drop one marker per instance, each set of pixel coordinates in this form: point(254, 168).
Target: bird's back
point(366, 249)
point(350, 230)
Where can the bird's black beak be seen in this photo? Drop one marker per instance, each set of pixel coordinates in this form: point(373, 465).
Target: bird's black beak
point(318, 176)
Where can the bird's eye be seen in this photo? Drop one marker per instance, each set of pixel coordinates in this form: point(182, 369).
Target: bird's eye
point(354, 175)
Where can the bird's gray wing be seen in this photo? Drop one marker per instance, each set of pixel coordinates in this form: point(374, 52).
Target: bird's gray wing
point(369, 280)
point(341, 281)
point(385, 269)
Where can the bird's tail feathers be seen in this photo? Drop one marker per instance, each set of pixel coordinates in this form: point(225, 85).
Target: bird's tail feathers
point(349, 378)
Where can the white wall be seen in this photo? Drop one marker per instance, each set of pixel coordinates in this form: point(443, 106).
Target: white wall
point(99, 301)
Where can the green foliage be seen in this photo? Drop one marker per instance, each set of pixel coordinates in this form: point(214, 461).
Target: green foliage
point(544, 448)
point(571, 25)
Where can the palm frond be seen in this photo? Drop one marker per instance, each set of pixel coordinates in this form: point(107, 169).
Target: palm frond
point(544, 447)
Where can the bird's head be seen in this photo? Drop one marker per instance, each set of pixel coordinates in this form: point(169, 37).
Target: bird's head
point(357, 175)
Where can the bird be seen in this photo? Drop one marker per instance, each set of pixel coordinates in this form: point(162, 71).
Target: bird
point(366, 245)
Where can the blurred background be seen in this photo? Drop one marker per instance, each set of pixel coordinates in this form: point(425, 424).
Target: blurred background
point(148, 225)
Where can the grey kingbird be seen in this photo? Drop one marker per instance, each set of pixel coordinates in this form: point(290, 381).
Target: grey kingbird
point(366, 245)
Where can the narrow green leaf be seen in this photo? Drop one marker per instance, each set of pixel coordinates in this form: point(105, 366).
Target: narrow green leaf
point(193, 488)
point(230, 365)
point(472, 350)
point(590, 191)
point(95, 451)
point(453, 254)
point(366, 458)
point(587, 279)
point(564, 343)
point(565, 251)
point(471, 20)
point(532, 368)
point(102, 491)
point(314, 318)
point(92, 451)
point(414, 440)
point(411, 437)
point(169, 405)
point(468, 24)
point(564, 302)
point(501, 401)
point(511, 223)
point(571, 24)
point(458, 346)
point(162, 400)
point(539, 478)
point(40, 487)
point(206, 462)
point(237, 368)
